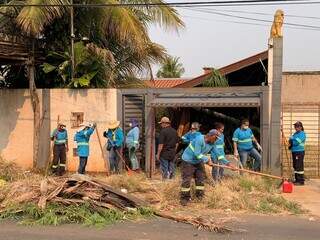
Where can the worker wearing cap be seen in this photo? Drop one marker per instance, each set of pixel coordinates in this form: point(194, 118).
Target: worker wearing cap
point(132, 143)
point(218, 155)
point(192, 134)
point(168, 143)
point(297, 147)
point(194, 157)
point(115, 139)
point(59, 136)
point(82, 138)
point(243, 140)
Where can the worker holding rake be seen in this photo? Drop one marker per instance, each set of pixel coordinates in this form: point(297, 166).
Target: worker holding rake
point(194, 157)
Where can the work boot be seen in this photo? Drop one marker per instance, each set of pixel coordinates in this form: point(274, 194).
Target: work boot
point(184, 201)
point(199, 195)
point(298, 183)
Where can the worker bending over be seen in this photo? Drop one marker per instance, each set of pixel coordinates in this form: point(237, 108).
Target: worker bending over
point(297, 147)
point(82, 138)
point(192, 134)
point(59, 136)
point(243, 140)
point(194, 157)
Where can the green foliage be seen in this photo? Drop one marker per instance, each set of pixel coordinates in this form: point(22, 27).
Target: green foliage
point(216, 79)
point(171, 68)
point(122, 33)
point(55, 214)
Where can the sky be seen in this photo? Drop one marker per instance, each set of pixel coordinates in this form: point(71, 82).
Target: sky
point(210, 40)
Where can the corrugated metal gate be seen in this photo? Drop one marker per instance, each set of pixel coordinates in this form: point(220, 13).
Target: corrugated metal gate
point(133, 107)
point(309, 115)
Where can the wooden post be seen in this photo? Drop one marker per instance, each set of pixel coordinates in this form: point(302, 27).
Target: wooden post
point(150, 135)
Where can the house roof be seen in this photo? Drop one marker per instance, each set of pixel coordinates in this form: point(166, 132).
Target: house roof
point(226, 69)
point(166, 82)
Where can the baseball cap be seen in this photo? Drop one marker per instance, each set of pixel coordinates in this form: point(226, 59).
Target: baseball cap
point(164, 120)
point(213, 132)
point(298, 124)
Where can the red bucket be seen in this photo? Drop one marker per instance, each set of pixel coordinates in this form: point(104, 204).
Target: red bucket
point(287, 187)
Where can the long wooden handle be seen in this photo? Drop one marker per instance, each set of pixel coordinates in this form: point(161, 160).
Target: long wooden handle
point(104, 158)
point(248, 171)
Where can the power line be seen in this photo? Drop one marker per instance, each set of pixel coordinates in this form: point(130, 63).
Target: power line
point(258, 13)
point(255, 19)
point(246, 23)
point(176, 4)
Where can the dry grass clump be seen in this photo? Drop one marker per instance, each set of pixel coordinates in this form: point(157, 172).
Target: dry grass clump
point(132, 183)
point(9, 171)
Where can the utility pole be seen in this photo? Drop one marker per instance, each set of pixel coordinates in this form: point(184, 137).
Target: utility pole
point(72, 40)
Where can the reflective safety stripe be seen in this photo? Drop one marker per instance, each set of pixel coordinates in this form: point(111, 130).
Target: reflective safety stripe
point(220, 157)
point(299, 172)
point(62, 165)
point(183, 137)
point(54, 166)
point(60, 141)
point(83, 144)
point(301, 144)
point(192, 149)
point(114, 136)
point(299, 140)
point(199, 156)
point(185, 189)
point(199, 187)
point(135, 142)
point(245, 140)
point(235, 139)
point(220, 146)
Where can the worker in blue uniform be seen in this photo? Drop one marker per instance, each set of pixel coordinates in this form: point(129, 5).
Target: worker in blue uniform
point(192, 134)
point(194, 157)
point(218, 155)
point(82, 138)
point(59, 136)
point(243, 140)
point(132, 143)
point(297, 146)
point(115, 140)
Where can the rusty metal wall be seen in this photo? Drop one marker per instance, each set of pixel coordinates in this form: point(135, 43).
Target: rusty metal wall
point(309, 115)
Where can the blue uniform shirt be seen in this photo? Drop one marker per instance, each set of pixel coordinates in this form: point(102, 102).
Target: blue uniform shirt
point(243, 137)
point(298, 140)
point(115, 137)
point(132, 139)
point(60, 137)
point(217, 152)
point(82, 138)
point(196, 151)
point(189, 136)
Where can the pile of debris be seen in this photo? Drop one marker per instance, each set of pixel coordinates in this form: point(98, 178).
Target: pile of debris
point(78, 190)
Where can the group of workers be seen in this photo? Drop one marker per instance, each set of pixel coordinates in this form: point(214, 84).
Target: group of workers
point(115, 142)
point(200, 149)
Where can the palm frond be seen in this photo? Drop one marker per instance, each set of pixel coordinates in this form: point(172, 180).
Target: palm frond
point(32, 20)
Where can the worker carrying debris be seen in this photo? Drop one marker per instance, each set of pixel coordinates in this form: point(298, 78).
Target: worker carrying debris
point(168, 143)
point(243, 140)
point(82, 138)
point(59, 136)
point(194, 157)
point(297, 147)
point(218, 155)
point(115, 140)
point(192, 134)
point(132, 143)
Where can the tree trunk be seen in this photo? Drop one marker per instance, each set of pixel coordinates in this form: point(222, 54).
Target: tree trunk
point(35, 102)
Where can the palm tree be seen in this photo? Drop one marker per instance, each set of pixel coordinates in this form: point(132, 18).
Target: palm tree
point(171, 68)
point(216, 79)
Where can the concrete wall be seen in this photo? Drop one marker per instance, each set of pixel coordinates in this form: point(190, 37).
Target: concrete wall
point(16, 127)
point(99, 105)
point(301, 87)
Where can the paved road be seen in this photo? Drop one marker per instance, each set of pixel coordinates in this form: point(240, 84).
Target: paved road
point(258, 227)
